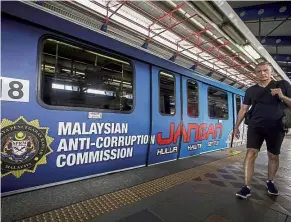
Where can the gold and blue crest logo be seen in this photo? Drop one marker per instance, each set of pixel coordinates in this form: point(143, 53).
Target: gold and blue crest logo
point(24, 146)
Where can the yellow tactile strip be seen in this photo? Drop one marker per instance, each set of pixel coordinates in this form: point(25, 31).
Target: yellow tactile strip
point(95, 207)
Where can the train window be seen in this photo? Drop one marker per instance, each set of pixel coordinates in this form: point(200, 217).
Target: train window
point(72, 76)
point(238, 102)
point(217, 103)
point(192, 98)
point(167, 94)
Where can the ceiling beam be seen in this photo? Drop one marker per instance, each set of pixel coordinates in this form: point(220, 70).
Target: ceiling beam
point(278, 9)
point(282, 57)
point(288, 72)
point(286, 67)
point(267, 20)
point(230, 14)
point(276, 41)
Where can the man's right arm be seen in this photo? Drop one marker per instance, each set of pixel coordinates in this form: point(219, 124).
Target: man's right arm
point(242, 112)
point(241, 115)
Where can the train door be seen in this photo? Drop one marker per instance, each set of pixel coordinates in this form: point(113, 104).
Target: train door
point(216, 132)
point(166, 116)
point(237, 101)
point(192, 117)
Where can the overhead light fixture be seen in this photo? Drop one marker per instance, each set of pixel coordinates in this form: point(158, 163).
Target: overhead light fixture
point(234, 34)
point(209, 11)
point(252, 52)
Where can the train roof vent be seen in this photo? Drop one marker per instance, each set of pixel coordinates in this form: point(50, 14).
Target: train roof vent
point(59, 9)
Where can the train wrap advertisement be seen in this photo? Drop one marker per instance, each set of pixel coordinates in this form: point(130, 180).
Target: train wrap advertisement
point(33, 154)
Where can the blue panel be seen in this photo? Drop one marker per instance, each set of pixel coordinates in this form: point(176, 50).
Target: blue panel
point(164, 127)
point(282, 57)
point(19, 60)
point(37, 16)
point(277, 40)
point(264, 11)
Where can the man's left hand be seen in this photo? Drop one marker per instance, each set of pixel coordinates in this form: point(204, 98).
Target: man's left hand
point(278, 92)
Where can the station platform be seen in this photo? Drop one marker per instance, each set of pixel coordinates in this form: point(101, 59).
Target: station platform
point(200, 188)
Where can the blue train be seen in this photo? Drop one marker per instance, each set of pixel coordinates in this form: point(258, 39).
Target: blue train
point(77, 104)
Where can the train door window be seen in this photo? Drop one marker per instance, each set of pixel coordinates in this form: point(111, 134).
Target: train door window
point(192, 98)
point(73, 76)
point(167, 94)
point(217, 103)
point(238, 102)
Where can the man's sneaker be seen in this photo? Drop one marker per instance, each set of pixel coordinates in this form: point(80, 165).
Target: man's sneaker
point(244, 193)
point(272, 188)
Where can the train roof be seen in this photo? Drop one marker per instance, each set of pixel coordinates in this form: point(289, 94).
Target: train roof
point(58, 25)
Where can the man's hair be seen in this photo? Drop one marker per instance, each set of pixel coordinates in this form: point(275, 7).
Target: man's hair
point(265, 63)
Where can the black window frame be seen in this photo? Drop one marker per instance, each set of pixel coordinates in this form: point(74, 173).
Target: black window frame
point(219, 89)
point(198, 96)
point(86, 46)
point(174, 77)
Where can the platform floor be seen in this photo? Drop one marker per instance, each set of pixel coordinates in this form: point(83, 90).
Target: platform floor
point(200, 188)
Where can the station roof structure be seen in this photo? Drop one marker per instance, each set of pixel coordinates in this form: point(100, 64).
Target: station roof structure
point(208, 37)
point(270, 22)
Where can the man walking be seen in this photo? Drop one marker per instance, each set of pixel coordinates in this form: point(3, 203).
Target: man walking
point(264, 124)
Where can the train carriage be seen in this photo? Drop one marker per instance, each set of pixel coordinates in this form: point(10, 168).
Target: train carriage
point(77, 103)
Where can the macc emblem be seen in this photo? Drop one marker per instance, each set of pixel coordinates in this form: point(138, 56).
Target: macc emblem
point(24, 146)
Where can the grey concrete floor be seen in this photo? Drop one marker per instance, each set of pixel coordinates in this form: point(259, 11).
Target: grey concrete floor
point(212, 197)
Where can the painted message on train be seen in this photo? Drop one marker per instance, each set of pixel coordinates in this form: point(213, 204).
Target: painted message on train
point(23, 148)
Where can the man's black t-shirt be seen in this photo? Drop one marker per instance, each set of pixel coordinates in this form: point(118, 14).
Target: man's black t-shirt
point(268, 111)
